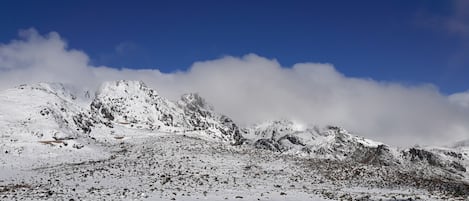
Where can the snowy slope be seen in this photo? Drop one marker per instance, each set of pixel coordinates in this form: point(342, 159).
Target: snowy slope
point(42, 120)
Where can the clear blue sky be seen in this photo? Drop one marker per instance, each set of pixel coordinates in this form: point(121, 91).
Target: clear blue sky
point(395, 40)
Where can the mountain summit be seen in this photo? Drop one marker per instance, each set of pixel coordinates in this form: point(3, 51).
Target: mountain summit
point(133, 104)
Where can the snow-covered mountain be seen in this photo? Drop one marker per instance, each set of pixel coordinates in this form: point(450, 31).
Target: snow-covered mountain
point(47, 121)
point(333, 142)
point(134, 105)
point(287, 136)
point(41, 120)
point(48, 112)
point(44, 110)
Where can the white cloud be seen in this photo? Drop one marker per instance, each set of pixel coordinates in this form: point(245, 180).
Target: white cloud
point(36, 58)
point(254, 88)
point(461, 99)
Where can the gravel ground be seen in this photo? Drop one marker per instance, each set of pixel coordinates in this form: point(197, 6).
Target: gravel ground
point(177, 167)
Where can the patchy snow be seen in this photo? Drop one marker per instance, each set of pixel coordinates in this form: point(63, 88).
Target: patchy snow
point(165, 166)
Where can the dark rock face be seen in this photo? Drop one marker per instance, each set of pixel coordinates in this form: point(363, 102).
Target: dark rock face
point(292, 139)
point(379, 155)
point(278, 145)
point(268, 144)
point(201, 116)
point(96, 105)
point(83, 122)
point(458, 166)
point(231, 129)
point(414, 155)
point(453, 154)
point(197, 111)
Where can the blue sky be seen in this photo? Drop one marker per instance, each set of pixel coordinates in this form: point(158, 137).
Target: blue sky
point(410, 42)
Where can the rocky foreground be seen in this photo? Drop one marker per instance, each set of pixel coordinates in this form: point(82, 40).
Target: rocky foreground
point(177, 167)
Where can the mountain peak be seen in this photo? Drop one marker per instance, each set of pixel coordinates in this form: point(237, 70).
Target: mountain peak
point(122, 87)
point(57, 89)
point(194, 100)
point(133, 104)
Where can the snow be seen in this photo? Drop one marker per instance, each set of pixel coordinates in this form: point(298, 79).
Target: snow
point(240, 195)
point(165, 166)
point(126, 142)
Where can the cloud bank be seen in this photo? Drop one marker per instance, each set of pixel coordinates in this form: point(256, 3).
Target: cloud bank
point(252, 89)
point(460, 98)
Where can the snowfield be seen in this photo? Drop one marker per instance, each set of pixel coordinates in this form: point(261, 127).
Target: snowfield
point(128, 143)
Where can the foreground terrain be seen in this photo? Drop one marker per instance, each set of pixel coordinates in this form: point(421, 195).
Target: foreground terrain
point(165, 166)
